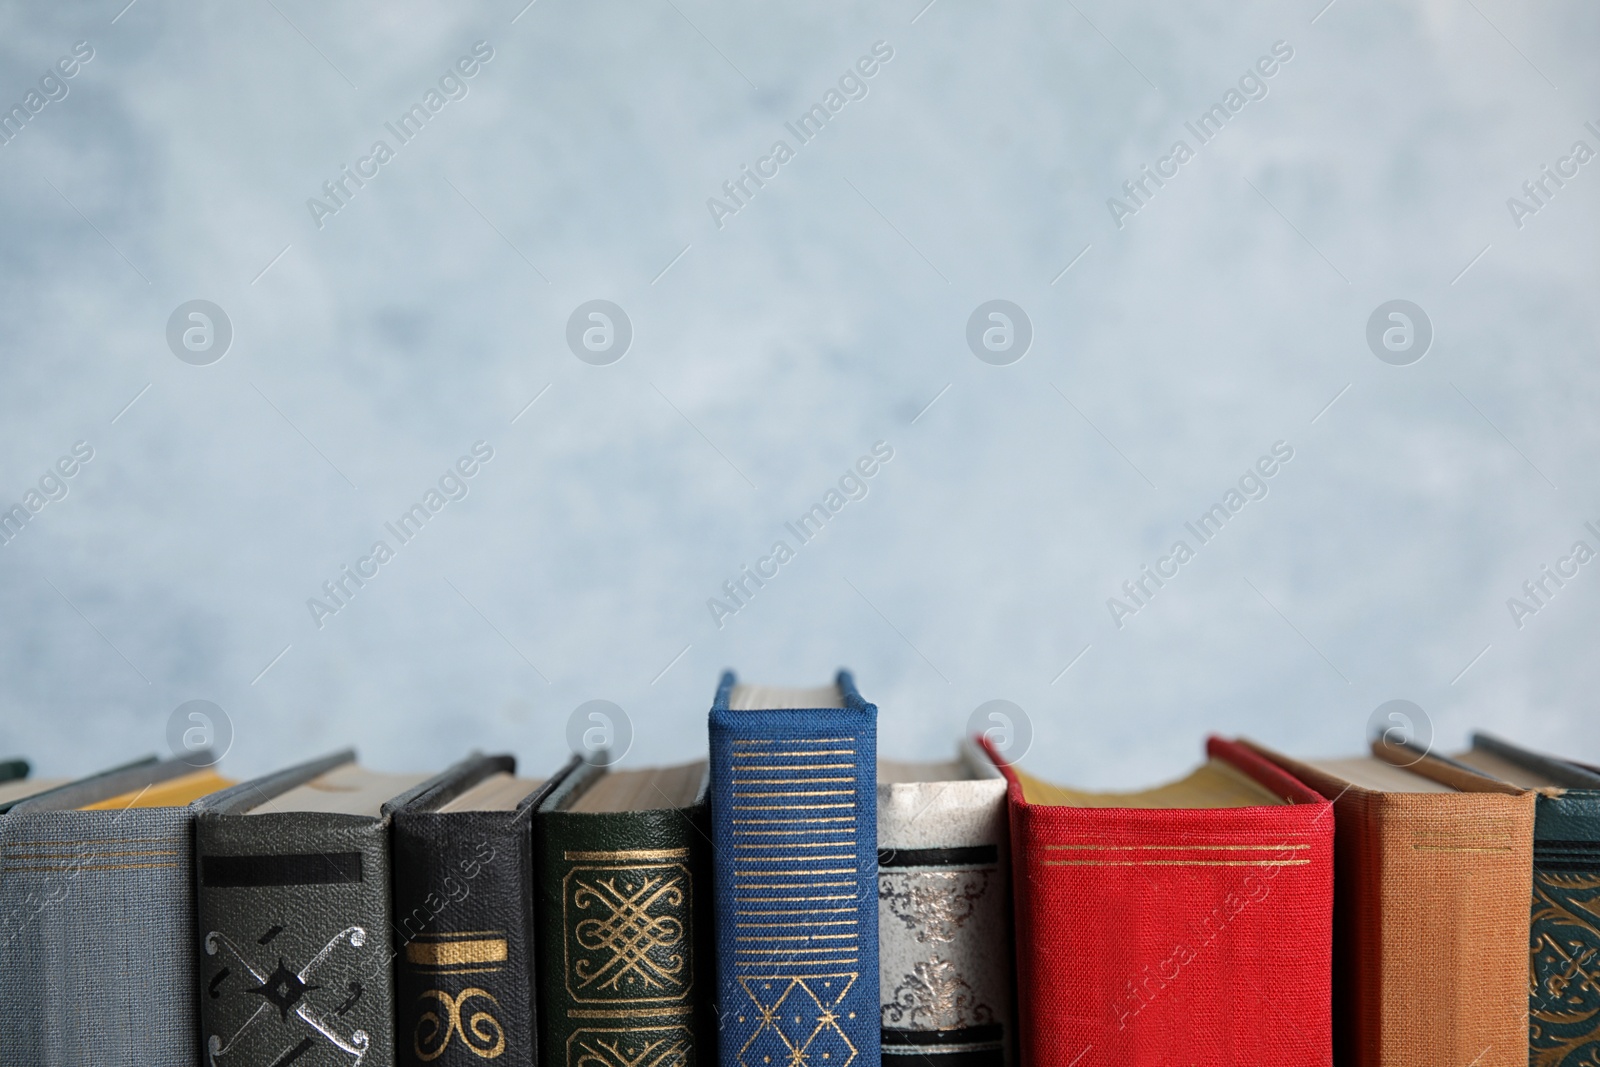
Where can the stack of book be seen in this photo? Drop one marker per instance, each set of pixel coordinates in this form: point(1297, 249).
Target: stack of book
point(794, 901)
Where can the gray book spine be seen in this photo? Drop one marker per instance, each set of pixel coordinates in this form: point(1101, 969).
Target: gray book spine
point(294, 940)
point(96, 929)
point(944, 919)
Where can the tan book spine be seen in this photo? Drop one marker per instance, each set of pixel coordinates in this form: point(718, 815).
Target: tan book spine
point(1430, 932)
point(1454, 934)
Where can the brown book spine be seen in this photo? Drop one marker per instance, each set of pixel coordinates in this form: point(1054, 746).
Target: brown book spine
point(1430, 935)
point(1453, 974)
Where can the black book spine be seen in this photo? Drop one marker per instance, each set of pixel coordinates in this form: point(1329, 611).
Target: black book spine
point(463, 922)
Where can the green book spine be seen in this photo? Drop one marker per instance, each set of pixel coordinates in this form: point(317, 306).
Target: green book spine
point(1564, 979)
point(623, 953)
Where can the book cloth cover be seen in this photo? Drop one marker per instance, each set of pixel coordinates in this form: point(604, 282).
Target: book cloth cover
point(1434, 868)
point(794, 821)
point(97, 919)
point(1187, 924)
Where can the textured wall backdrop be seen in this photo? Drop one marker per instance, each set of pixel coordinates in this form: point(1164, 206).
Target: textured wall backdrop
point(536, 158)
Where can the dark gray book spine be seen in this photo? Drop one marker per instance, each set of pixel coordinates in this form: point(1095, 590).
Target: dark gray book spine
point(96, 926)
point(295, 945)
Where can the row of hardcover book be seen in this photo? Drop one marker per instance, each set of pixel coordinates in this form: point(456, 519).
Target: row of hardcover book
point(793, 901)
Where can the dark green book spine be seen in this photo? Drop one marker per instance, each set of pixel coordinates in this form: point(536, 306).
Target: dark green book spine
point(1564, 978)
point(623, 926)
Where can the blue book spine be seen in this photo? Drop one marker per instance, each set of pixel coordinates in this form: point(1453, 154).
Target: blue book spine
point(795, 878)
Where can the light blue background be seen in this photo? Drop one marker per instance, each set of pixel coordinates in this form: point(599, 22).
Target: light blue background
point(821, 318)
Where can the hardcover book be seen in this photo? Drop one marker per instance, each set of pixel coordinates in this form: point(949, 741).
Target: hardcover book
point(96, 914)
point(945, 973)
point(1190, 923)
point(294, 938)
point(1433, 865)
point(1564, 934)
point(622, 863)
point(794, 821)
point(463, 916)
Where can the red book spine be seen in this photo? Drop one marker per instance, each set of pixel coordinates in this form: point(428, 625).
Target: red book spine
point(1176, 936)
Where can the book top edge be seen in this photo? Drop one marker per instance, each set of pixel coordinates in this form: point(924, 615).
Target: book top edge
point(1214, 784)
point(603, 791)
point(1445, 789)
point(779, 698)
point(1528, 769)
point(348, 789)
point(735, 696)
point(82, 793)
point(16, 790)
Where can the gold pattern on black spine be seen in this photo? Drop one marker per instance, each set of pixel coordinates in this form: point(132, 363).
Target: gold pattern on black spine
point(1564, 969)
point(480, 1032)
point(627, 922)
point(669, 1046)
point(627, 932)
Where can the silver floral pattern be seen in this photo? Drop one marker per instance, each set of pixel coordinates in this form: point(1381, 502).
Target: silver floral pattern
point(933, 904)
point(934, 996)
